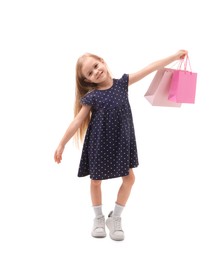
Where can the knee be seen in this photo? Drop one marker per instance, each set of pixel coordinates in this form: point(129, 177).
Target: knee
point(129, 179)
point(96, 183)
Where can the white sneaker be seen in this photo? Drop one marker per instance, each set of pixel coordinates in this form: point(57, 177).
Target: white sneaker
point(99, 227)
point(114, 225)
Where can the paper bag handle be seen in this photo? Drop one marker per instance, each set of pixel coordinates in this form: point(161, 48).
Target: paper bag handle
point(184, 61)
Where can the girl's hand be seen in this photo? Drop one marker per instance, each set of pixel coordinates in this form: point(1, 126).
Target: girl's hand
point(181, 54)
point(58, 154)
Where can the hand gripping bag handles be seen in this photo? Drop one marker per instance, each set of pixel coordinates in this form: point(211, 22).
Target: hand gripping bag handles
point(158, 91)
point(183, 84)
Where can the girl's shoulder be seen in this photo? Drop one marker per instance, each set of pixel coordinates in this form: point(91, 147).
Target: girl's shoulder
point(88, 98)
point(123, 81)
point(124, 77)
point(89, 92)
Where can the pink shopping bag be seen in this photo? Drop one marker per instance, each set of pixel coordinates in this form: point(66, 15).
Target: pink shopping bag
point(183, 85)
point(157, 93)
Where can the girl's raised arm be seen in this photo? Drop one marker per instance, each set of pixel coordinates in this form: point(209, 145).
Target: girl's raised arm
point(71, 130)
point(134, 77)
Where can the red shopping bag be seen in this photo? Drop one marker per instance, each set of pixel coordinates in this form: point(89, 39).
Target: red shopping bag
point(183, 85)
point(157, 93)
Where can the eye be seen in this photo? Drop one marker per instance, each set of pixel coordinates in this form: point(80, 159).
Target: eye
point(90, 73)
point(96, 65)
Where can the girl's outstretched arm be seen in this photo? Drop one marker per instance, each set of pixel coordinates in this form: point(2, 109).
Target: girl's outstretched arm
point(75, 124)
point(134, 77)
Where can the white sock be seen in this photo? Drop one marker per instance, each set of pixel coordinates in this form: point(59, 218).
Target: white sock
point(118, 210)
point(98, 210)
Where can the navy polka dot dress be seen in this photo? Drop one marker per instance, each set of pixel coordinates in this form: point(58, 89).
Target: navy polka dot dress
point(109, 148)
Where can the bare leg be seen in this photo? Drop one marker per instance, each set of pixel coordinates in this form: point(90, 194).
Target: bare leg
point(125, 189)
point(96, 198)
point(96, 193)
point(113, 221)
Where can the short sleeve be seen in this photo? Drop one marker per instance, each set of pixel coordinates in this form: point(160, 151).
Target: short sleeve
point(124, 81)
point(88, 99)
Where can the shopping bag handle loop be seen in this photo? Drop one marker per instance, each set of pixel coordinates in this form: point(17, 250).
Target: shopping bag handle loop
point(185, 61)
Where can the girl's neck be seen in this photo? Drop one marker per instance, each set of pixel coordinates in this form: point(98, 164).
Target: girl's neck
point(106, 84)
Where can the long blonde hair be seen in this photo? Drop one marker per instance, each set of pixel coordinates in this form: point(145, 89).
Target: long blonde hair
point(82, 88)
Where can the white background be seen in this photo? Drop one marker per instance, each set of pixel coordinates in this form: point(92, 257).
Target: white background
point(45, 209)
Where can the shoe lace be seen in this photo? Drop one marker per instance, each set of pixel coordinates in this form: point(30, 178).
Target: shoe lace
point(100, 222)
point(117, 224)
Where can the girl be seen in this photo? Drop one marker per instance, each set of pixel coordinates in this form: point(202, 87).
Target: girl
point(109, 150)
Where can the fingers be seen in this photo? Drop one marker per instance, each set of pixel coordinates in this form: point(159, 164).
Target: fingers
point(57, 157)
point(58, 160)
point(182, 54)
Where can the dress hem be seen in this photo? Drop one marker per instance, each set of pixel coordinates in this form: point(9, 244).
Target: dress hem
point(108, 177)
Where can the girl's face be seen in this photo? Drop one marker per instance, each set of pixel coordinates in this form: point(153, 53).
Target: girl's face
point(94, 70)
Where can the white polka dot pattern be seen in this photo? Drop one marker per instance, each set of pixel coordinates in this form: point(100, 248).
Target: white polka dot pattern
point(109, 149)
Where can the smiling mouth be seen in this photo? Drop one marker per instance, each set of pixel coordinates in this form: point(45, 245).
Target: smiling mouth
point(100, 74)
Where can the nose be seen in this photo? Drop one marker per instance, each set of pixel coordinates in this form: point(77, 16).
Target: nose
point(96, 71)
